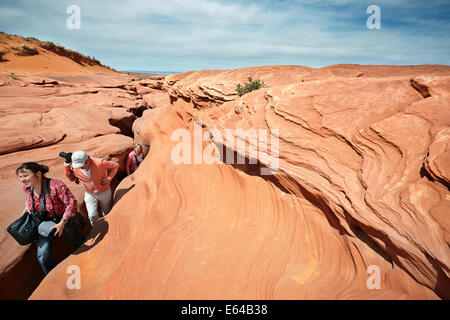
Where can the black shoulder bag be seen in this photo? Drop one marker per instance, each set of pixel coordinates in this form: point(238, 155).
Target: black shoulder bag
point(25, 229)
point(75, 224)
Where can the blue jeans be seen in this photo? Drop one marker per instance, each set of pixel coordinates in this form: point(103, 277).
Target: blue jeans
point(45, 254)
point(45, 249)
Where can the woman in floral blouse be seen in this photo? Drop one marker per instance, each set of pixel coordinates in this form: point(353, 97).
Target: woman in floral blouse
point(60, 206)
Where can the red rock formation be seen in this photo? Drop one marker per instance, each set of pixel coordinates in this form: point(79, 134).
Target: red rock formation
point(41, 56)
point(362, 185)
point(69, 112)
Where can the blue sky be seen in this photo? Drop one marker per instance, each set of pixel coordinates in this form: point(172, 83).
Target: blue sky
point(182, 35)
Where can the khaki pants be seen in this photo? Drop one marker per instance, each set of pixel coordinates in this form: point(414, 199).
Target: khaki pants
point(92, 201)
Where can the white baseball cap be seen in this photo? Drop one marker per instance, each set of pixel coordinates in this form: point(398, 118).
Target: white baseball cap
point(79, 159)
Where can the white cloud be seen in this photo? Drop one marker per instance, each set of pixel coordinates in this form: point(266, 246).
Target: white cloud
point(10, 13)
point(197, 11)
point(226, 34)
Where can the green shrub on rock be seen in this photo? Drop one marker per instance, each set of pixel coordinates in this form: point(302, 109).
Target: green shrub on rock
point(25, 50)
point(249, 86)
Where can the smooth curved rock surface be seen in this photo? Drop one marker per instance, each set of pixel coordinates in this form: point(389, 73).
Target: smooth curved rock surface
point(74, 112)
point(361, 184)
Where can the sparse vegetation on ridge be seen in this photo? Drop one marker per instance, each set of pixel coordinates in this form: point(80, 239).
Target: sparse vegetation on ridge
point(31, 48)
point(249, 86)
point(31, 39)
point(25, 50)
point(75, 56)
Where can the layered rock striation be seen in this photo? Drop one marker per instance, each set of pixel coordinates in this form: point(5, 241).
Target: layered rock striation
point(356, 206)
point(40, 116)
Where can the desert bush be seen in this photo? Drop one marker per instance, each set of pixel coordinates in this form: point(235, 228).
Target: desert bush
point(73, 55)
point(249, 86)
point(13, 76)
point(30, 39)
point(24, 50)
point(1, 55)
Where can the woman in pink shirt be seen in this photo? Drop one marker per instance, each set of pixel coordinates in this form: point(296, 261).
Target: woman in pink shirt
point(135, 158)
point(60, 206)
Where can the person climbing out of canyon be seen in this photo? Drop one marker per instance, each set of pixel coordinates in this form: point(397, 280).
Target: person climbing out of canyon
point(59, 206)
point(135, 158)
point(96, 175)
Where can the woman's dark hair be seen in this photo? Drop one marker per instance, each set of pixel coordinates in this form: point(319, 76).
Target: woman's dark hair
point(34, 167)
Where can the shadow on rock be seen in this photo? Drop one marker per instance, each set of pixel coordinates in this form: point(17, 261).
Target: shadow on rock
point(24, 277)
point(121, 192)
point(96, 235)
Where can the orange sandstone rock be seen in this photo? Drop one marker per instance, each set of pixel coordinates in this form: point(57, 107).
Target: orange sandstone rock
point(361, 188)
point(37, 122)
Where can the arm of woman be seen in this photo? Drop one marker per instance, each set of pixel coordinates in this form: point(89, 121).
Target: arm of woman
point(64, 194)
point(26, 209)
point(129, 160)
point(68, 171)
point(112, 168)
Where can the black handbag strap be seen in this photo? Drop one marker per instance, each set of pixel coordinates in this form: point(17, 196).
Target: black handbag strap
point(45, 189)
